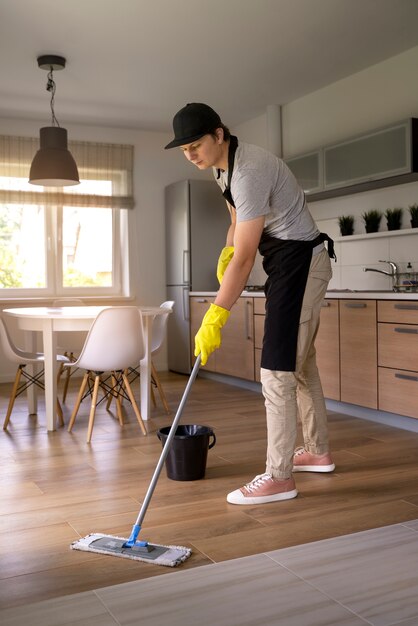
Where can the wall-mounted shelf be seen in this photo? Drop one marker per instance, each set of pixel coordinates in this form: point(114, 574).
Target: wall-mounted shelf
point(384, 233)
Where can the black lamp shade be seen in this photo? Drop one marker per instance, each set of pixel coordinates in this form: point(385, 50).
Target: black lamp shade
point(53, 165)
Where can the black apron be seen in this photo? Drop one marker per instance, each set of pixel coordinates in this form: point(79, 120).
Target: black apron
point(286, 263)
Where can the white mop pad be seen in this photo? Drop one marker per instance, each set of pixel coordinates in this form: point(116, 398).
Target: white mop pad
point(170, 556)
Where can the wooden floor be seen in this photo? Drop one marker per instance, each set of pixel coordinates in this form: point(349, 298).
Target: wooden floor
point(55, 488)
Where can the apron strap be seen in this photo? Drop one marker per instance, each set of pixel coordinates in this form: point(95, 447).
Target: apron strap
point(330, 244)
point(233, 145)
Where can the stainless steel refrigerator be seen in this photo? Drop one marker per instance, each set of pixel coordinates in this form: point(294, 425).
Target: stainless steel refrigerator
point(196, 223)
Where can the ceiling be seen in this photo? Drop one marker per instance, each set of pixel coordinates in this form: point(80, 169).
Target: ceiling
point(134, 63)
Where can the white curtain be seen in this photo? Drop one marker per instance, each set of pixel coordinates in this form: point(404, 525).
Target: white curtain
point(95, 161)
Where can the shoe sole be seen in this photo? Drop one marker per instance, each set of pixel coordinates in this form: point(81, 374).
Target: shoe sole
point(233, 498)
point(314, 468)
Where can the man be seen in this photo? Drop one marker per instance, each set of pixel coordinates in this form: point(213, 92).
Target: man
point(269, 213)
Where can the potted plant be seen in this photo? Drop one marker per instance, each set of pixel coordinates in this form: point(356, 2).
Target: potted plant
point(413, 209)
point(394, 218)
point(346, 224)
point(372, 220)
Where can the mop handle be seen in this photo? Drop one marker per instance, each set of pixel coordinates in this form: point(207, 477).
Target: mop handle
point(167, 444)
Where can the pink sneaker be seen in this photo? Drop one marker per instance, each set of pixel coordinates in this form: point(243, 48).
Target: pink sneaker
point(304, 461)
point(262, 489)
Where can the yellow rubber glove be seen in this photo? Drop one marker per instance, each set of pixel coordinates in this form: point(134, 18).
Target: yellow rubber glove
point(208, 337)
point(223, 261)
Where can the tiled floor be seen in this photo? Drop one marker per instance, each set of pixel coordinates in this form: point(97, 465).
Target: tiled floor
point(369, 577)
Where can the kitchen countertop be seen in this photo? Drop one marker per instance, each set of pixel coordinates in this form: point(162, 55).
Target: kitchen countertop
point(332, 293)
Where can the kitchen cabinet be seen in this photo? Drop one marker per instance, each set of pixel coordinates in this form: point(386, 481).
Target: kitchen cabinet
point(235, 357)
point(327, 346)
point(358, 352)
point(380, 158)
point(373, 156)
point(308, 170)
point(366, 350)
point(259, 317)
point(398, 357)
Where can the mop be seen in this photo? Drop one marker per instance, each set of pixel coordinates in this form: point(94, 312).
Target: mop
point(169, 556)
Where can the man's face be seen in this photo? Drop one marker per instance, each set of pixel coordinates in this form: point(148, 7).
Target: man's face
point(204, 152)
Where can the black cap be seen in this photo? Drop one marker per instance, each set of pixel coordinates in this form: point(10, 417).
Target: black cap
point(192, 122)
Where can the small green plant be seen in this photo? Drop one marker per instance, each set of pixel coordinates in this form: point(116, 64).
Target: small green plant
point(372, 220)
point(346, 224)
point(413, 209)
point(394, 218)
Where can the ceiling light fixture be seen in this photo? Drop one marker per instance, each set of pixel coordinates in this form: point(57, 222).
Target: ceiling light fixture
point(53, 165)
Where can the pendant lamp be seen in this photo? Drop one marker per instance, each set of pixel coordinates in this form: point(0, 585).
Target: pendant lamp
point(53, 165)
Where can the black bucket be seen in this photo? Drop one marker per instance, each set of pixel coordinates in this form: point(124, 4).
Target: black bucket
point(186, 459)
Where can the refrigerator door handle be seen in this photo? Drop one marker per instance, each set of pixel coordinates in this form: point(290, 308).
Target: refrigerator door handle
point(186, 308)
point(186, 265)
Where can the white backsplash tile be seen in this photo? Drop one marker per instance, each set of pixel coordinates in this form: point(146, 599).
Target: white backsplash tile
point(364, 251)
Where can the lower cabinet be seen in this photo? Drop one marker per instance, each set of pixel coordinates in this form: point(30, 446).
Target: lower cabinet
point(259, 317)
point(367, 350)
point(327, 346)
point(358, 352)
point(235, 357)
point(398, 357)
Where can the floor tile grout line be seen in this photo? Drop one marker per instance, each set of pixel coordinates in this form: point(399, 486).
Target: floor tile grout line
point(323, 593)
point(106, 607)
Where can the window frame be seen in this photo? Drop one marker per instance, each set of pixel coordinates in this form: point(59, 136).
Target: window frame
point(95, 161)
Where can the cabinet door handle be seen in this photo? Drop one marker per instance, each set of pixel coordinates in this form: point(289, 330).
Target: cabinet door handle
point(355, 305)
point(248, 318)
point(406, 330)
point(406, 377)
point(201, 300)
point(325, 304)
point(407, 307)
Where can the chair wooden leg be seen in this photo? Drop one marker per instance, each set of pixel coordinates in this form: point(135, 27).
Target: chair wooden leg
point(160, 388)
point(60, 371)
point(93, 407)
point(60, 414)
point(154, 402)
point(134, 404)
point(66, 383)
point(12, 397)
point(78, 401)
point(119, 413)
point(111, 395)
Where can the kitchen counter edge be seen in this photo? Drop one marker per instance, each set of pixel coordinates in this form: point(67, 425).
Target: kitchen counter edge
point(350, 295)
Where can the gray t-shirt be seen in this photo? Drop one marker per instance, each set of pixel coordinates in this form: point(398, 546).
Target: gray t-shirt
point(262, 184)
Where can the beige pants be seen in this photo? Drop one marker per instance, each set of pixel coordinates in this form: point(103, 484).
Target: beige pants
point(288, 394)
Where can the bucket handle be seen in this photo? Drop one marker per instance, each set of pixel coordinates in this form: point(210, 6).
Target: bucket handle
point(211, 443)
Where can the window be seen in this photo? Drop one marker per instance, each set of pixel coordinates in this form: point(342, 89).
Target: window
point(57, 242)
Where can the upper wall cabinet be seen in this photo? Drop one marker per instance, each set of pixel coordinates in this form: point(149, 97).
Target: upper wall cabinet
point(309, 171)
point(384, 157)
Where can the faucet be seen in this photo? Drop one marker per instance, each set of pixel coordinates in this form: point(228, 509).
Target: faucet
point(393, 272)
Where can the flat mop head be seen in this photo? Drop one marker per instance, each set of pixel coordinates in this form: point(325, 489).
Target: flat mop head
point(170, 556)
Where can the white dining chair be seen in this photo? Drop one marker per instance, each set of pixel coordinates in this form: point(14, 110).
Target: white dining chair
point(62, 345)
point(159, 331)
point(23, 358)
point(114, 341)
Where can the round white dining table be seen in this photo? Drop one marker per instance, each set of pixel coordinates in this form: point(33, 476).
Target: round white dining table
point(51, 320)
